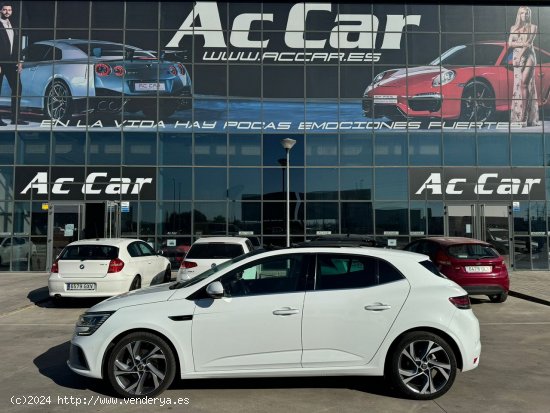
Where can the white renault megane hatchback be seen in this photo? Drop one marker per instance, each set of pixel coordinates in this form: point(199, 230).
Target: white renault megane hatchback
point(106, 267)
point(286, 312)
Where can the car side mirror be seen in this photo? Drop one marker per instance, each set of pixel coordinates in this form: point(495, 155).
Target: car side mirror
point(215, 290)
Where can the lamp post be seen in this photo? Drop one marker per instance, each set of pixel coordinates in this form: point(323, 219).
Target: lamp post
point(287, 145)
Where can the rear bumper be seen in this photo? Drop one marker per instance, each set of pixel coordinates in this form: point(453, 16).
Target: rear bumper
point(104, 287)
point(485, 289)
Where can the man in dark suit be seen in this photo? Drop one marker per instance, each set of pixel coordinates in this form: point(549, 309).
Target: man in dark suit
point(10, 64)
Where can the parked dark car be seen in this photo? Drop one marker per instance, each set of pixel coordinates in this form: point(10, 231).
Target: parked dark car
point(473, 264)
point(341, 240)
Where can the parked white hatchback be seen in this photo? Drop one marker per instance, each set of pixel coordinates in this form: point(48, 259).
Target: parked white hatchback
point(209, 251)
point(106, 267)
point(286, 312)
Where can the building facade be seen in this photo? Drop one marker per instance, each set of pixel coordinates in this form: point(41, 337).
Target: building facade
point(164, 121)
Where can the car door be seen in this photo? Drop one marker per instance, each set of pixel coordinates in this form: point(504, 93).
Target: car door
point(350, 309)
point(257, 324)
point(149, 263)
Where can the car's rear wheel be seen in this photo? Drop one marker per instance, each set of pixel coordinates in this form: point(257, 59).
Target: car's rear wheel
point(168, 275)
point(422, 366)
point(498, 298)
point(136, 283)
point(141, 365)
point(478, 102)
point(58, 104)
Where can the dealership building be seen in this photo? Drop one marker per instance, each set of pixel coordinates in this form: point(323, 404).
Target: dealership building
point(164, 121)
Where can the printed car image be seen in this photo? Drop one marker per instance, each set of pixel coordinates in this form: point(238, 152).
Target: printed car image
point(451, 87)
point(59, 75)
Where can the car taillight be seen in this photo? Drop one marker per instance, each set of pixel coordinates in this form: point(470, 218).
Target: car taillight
point(55, 268)
point(173, 70)
point(181, 68)
point(188, 264)
point(119, 71)
point(102, 69)
point(462, 302)
point(442, 259)
point(116, 265)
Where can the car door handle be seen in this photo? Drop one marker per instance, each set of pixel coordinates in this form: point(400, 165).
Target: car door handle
point(286, 311)
point(377, 307)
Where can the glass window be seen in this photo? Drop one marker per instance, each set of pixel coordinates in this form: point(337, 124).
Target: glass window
point(210, 149)
point(425, 149)
point(321, 184)
point(387, 273)
point(345, 271)
point(210, 218)
point(175, 183)
point(174, 218)
point(321, 216)
point(356, 218)
point(321, 150)
point(104, 148)
point(69, 148)
point(129, 221)
point(391, 218)
point(7, 148)
point(6, 182)
point(493, 149)
point(39, 220)
point(145, 249)
point(356, 150)
point(356, 183)
point(134, 250)
point(147, 218)
point(275, 183)
point(435, 217)
point(210, 183)
point(214, 250)
point(391, 183)
point(33, 148)
point(245, 150)
point(283, 81)
point(274, 220)
point(89, 252)
point(175, 149)
point(244, 184)
point(390, 149)
point(273, 275)
point(245, 216)
point(459, 149)
point(527, 149)
point(275, 155)
point(140, 149)
point(417, 214)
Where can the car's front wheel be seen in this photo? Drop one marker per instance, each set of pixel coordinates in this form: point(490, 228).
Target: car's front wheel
point(478, 102)
point(58, 104)
point(422, 367)
point(141, 365)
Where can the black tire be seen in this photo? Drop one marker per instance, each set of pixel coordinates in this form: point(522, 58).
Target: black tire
point(168, 275)
point(428, 372)
point(478, 102)
point(58, 103)
point(498, 298)
point(141, 364)
point(136, 283)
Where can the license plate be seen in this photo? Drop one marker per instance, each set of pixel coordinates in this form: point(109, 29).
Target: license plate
point(386, 99)
point(479, 268)
point(80, 286)
point(147, 87)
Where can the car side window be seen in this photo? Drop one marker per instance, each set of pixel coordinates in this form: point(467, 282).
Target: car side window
point(273, 275)
point(145, 249)
point(134, 250)
point(338, 271)
point(387, 273)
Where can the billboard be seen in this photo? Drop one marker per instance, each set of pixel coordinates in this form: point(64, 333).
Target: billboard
point(276, 67)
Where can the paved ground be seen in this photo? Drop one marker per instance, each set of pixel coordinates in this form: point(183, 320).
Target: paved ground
point(512, 377)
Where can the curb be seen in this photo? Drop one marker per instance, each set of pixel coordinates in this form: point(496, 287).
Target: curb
point(529, 298)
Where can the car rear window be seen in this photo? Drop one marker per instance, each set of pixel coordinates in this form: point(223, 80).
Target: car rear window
point(215, 250)
point(472, 251)
point(430, 266)
point(89, 252)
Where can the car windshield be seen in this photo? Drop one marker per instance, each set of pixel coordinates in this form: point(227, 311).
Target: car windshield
point(89, 252)
point(472, 251)
point(213, 270)
point(214, 250)
point(466, 55)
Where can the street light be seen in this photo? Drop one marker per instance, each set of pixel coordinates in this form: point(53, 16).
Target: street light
point(287, 145)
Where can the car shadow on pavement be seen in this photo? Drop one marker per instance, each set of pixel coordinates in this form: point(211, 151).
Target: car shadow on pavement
point(39, 295)
point(371, 385)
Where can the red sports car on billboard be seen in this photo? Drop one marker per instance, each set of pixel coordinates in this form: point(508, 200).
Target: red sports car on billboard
point(451, 87)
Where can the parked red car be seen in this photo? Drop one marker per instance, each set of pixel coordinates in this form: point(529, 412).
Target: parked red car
point(473, 264)
point(451, 87)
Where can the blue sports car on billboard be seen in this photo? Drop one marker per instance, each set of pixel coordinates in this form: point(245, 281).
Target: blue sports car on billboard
point(61, 78)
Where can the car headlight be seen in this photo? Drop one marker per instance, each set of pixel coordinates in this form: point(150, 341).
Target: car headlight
point(378, 78)
point(443, 78)
point(88, 323)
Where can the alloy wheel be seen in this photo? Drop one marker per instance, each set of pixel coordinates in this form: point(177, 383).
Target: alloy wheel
point(478, 103)
point(58, 101)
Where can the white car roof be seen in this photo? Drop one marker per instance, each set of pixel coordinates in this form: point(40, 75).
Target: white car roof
point(116, 242)
point(224, 240)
